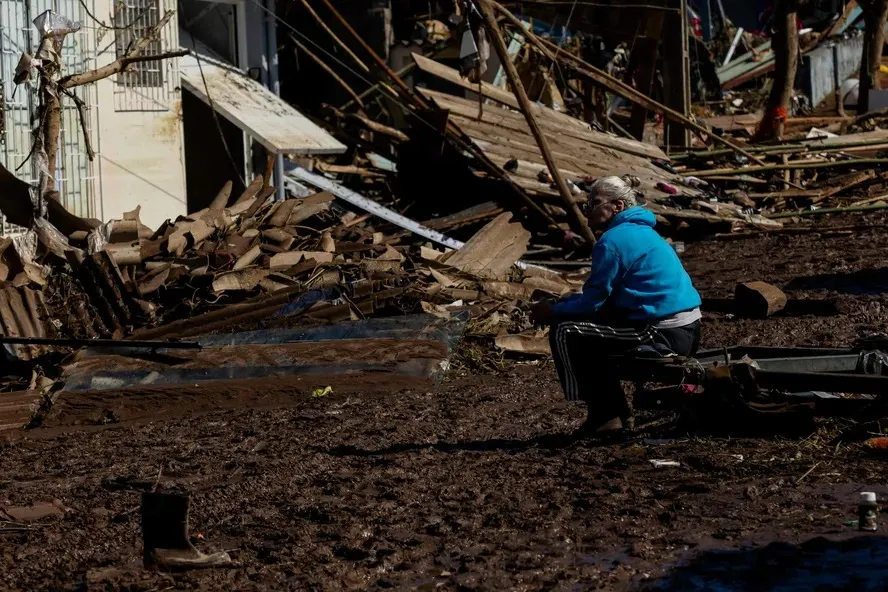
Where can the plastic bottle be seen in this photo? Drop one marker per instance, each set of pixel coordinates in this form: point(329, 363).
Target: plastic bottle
point(867, 511)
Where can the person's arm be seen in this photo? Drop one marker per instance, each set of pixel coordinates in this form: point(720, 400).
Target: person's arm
point(596, 290)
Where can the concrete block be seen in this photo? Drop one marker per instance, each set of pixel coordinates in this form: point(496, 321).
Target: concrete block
point(758, 300)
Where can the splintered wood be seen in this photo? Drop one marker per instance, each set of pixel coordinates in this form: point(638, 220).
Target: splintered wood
point(493, 251)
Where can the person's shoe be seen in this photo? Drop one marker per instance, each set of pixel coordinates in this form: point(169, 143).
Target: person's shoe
point(629, 423)
point(595, 428)
point(189, 558)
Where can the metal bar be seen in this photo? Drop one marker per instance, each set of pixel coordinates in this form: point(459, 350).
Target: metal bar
point(845, 363)
point(822, 381)
point(100, 343)
point(368, 205)
point(374, 208)
point(733, 47)
point(760, 353)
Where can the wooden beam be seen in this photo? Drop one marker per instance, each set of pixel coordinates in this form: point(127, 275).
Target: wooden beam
point(645, 63)
point(676, 76)
point(617, 87)
point(576, 217)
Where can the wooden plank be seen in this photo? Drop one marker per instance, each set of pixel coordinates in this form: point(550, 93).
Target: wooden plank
point(555, 129)
point(493, 250)
point(492, 92)
point(580, 156)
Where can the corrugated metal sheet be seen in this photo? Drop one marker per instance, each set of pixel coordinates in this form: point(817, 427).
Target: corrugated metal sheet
point(255, 109)
point(23, 313)
point(816, 76)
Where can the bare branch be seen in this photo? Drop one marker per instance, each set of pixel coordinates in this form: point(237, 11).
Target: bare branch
point(120, 64)
point(81, 111)
point(116, 67)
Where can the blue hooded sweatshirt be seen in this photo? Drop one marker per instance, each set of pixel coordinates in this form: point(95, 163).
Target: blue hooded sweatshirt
point(635, 271)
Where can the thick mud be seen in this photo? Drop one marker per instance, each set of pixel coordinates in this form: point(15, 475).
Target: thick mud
point(467, 485)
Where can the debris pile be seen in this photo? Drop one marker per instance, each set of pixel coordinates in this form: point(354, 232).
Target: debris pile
point(460, 194)
point(253, 262)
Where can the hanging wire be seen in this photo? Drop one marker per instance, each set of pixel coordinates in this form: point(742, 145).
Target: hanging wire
point(357, 74)
point(102, 25)
point(234, 166)
point(554, 63)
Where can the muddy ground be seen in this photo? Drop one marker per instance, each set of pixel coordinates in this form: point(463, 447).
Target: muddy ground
point(470, 484)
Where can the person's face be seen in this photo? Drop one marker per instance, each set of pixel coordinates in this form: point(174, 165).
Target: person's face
point(600, 213)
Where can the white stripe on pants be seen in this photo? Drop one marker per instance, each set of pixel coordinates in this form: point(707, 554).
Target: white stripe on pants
point(624, 338)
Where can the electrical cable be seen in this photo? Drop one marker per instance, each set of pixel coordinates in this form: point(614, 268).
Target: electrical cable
point(555, 59)
point(566, 27)
point(358, 75)
point(102, 25)
point(600, 5)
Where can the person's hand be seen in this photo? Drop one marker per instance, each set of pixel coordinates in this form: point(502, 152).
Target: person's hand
point(541, 312)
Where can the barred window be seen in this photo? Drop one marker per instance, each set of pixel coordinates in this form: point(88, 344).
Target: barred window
point(134, 18)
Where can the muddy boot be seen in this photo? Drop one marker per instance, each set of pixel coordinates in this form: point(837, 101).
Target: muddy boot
point(165, 535)
point(625, 411)
point(609, 416)
point(596, 426)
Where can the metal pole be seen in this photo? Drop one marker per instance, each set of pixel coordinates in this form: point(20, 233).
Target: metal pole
point(274, 83)
point(129, 344)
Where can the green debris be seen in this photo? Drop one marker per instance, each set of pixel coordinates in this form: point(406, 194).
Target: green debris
point(321, 392)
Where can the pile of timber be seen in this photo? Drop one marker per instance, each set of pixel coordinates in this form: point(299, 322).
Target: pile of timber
point(800, 178)
point(261, 263)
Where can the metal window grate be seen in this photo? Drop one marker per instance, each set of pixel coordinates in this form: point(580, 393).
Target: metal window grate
point(75, 174)
point(145, 86)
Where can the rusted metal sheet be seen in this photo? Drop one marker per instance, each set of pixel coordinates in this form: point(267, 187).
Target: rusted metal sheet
point(17, 408)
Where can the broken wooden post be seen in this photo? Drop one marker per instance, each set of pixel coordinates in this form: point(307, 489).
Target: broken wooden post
point(875, 13)
point(578, 221)
point(676, 75)
point(644, 56)
point(785, 43)
point(758, 300)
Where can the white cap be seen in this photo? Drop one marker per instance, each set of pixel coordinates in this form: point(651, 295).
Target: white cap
point(868, 496)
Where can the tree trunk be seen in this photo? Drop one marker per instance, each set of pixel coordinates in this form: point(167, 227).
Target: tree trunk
point(52, 119)
point(875, 14)
point(785, 44)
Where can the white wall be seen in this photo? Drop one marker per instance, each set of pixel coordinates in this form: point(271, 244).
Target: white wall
point(140, 152)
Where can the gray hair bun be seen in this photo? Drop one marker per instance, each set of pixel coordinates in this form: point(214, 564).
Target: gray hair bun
point(614, 188)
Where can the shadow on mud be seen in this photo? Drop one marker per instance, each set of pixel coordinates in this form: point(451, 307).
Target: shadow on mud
point(863, 282)
point(859, 564)
point(546, 441)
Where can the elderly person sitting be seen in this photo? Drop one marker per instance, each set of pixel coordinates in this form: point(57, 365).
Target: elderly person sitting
point(638, 293)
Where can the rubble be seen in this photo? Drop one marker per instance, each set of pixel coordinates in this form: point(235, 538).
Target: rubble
point(446, 194)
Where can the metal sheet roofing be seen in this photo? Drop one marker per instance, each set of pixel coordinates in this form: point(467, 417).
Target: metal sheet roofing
point(255, 109)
